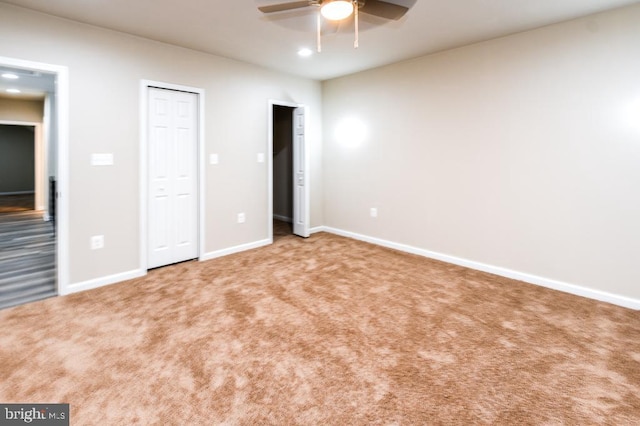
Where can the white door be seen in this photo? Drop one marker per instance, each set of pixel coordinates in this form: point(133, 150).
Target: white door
point(300, 204)
point(173, 177)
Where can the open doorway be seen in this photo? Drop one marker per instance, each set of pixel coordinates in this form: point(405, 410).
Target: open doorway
point(27, 237)
point(29, 136)
point(282, 171)
point(288, 170)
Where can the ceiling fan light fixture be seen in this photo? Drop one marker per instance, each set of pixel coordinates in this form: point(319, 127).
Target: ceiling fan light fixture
point(336, 10)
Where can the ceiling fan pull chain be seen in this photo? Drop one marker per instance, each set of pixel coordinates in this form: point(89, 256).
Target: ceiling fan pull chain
point(319, 35)
point(355, 6)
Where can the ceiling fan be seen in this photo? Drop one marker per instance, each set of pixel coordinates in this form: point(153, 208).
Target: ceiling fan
point(337, 10)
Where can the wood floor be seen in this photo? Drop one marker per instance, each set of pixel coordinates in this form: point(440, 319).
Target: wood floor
point(16, 203)
point(281, 229)
point(27, 258)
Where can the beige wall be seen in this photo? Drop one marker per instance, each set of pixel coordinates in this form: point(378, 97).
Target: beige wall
point(521, 153)
point(18, 110)
point(105, 69)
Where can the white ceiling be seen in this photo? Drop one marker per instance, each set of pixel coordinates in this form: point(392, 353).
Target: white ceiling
point(236, 29)
point(33, 85)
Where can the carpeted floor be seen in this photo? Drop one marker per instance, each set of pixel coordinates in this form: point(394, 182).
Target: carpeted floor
point(324, 330)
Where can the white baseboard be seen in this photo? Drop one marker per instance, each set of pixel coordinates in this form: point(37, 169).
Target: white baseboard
point(116, 278)
point(577, 290)
point(18, 193)
point(282, 218)
point(317, 229)
point(99, 282)
point(236, 249)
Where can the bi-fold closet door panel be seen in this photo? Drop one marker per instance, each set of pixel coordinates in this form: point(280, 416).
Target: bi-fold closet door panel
point(172, 226)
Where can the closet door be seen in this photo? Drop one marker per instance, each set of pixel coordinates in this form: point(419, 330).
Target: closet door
point(173, 177)
point(300, 186)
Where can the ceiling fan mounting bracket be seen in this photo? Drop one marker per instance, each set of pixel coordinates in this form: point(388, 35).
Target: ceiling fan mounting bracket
point(378, 8)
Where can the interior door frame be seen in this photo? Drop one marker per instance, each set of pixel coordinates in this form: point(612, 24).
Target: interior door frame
point(307, 187)
point(62, 164)
point(144, 187)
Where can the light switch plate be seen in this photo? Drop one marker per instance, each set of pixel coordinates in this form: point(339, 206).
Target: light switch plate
point(97, 242)
point(213, 159)
point(261, 157)
point(102, 159)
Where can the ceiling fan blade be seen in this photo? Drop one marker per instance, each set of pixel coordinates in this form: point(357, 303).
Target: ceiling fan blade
point(283, 6)
point(384, 9)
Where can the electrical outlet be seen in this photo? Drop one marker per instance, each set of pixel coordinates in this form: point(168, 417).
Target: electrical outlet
point(97, 242)
point(241, 218)
point(373, 212)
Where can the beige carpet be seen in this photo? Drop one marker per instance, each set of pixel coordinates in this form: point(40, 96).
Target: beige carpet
point(326, 331)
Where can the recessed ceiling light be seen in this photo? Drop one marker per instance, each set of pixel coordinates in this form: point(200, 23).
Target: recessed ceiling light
point(10, 76)
point(304, 52)
point(13, 91)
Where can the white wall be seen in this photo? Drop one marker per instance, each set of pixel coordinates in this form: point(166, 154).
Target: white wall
point(105, 70)
point(521, 153)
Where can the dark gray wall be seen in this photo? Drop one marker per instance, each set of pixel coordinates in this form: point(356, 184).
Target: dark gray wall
point(282, 161)
point(17, 160)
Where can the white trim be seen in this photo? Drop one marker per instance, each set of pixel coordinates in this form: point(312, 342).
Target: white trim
point(202, 174)
point(282, 218)
point(317, 229)
point(144, 86)
point(62, 172)
point(307, 173)
point(102, 281)
point(577, 290)
point(20, 123)
point(46, 134)
point(18, 193)
point(236, 249)
point(307, 189)
point(40, 169)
